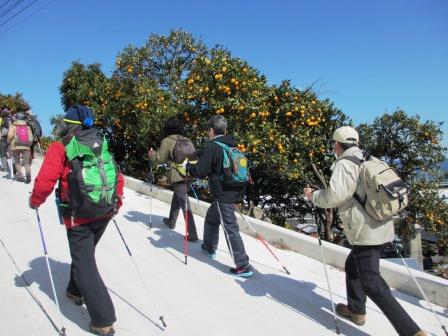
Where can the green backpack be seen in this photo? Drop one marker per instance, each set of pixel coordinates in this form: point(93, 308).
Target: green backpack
point(92, 181)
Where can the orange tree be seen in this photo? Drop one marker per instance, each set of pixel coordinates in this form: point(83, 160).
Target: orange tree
point(14, 103)
point(414, 149)
point(281, 129)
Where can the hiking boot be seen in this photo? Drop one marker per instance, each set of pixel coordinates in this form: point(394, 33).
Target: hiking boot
point(210, 253)
point(344, 311)
point(104, 331)
point(168, 223)
point(77, 300)
point(28, 179)
point(420, 333)
point(19, 178)
point(241, 271)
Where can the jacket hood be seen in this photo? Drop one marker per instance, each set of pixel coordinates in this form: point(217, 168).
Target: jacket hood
point(229, 140)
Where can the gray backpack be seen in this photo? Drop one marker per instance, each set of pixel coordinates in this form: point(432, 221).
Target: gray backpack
point(386, 193)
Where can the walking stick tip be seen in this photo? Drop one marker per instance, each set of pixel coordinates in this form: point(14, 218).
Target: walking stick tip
point(163, 321)
point(287, 272)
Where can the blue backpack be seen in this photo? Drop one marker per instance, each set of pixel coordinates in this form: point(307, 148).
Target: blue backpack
point(235, 167)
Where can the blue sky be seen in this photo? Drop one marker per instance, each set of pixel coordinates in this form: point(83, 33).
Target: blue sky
point(370, 56)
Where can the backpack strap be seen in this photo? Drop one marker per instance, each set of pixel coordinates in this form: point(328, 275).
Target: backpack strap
point(226, 150)
point(357, 162)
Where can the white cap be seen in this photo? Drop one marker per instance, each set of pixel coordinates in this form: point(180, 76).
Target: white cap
point(346, 135)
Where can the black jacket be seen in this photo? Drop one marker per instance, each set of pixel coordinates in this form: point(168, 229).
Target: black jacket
point(210, 165)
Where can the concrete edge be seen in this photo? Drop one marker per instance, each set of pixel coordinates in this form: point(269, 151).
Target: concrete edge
point(435, 288)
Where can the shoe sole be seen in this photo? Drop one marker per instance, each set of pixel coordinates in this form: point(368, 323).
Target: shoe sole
point(244, 275)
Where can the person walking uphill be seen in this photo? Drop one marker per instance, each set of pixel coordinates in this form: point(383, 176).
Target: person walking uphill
point(174, 130)
point(90, 188)
point(366, 235)
point(20, 139)
point(210, 164)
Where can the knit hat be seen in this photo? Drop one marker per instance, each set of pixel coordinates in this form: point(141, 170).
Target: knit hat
point(80, 115)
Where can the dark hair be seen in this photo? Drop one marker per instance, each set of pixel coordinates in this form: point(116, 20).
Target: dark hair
point(218, 124)
point(173, 125)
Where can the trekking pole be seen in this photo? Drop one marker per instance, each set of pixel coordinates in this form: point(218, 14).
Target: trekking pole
point(197, 198)
point(319, 230)
point(150, 193)
point(139, 273)
point(229, 246)
point(10, 166)
point(40, 148)
point(42, 237)
point(260, 238)
point(420, 288)
point(186, 220)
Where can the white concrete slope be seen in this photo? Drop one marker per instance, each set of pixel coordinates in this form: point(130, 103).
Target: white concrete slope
point(200, 298)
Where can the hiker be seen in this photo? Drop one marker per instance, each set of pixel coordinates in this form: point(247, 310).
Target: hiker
point(35, 128)
point(210, 164)
point(68, 162)
point(20, 138)
point(366, 235)
point(4, 127)
point(174, 130)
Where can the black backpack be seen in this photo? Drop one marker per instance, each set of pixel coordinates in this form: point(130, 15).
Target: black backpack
point(35, 128)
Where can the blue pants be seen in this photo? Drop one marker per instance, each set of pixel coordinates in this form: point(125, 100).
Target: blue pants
point(226, 211)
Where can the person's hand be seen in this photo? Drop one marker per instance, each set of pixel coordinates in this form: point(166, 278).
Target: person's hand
point(151, 153)
point(31, 205)
point(308, 193)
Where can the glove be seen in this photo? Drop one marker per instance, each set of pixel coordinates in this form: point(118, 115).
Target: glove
point(31, 205)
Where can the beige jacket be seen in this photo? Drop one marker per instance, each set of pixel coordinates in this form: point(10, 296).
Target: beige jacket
point(359, 227)
point(12, 133)
point(164, 155)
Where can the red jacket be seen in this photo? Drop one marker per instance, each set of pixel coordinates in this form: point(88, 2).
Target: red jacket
point(56, 167)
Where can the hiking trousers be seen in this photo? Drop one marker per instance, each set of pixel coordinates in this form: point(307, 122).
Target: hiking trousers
point(177, 203)
point(231, 231)
point(25, 154)
point(363, 279)
point(85, 279)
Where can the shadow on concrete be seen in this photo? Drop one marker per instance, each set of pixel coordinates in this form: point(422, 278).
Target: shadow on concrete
point(61, 272)
point(298, 296)
point(38, 273)
point(144, 218)
point(417, 302)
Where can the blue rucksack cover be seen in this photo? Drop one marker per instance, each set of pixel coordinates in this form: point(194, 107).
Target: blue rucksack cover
point(235, 167)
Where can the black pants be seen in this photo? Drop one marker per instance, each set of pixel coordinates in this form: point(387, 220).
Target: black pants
point(363, 279)
point(231, 230)
point(85, 279)
point(177, 203)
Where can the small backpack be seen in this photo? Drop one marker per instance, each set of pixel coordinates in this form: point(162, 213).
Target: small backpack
point(92, 182)
point(183, 150)
point(386, 192)
point(35, 128)
point(22, 137)
point(235, 166)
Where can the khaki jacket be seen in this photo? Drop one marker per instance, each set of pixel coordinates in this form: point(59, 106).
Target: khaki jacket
point(359, 227)
point(12, 133)
point(164, 155)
